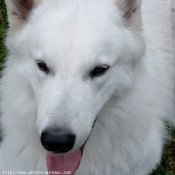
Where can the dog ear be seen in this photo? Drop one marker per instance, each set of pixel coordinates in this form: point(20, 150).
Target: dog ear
point(18, 11)
point(131, 12)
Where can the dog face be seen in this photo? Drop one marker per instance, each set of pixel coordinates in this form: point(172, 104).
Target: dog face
point(78, 54)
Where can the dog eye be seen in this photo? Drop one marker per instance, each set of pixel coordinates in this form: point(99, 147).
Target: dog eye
point(99, 71)
point(42, 66)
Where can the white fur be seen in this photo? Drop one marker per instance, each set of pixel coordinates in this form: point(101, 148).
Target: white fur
point(132, 100)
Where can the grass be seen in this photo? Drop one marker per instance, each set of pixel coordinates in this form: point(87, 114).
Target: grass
point(167, 166)
point(3, 27)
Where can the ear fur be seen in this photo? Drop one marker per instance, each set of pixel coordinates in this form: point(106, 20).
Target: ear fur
point(131, 12)
point(18, 11)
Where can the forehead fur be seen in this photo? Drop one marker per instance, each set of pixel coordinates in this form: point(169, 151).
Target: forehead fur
point(73, 25)
point(82, 15)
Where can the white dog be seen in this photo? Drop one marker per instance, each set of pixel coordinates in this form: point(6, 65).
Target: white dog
point(87, 86)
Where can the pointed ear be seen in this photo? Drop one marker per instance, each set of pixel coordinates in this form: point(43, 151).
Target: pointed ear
point(18, 11)
point(131, 12)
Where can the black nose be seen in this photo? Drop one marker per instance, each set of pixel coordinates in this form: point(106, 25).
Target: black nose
point(57, 142)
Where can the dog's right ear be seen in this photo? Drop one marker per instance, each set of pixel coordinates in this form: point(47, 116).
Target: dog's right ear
point(18, 11)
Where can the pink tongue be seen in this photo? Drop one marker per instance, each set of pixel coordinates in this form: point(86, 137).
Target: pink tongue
point(63, 162)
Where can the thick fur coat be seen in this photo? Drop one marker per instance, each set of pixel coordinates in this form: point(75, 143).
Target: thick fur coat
point(119, 115)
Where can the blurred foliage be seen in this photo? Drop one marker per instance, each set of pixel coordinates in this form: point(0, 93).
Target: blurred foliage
point(3, 27)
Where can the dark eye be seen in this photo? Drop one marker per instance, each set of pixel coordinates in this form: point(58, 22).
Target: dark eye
point(42, 66)
point(99, 71)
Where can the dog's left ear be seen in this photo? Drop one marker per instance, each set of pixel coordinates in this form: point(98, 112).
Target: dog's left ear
point(131, 12)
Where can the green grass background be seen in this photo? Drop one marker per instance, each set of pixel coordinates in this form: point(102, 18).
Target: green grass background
point(167, 166)
point(3, 27)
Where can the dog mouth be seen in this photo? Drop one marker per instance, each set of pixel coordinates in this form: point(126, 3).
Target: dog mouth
point(66, 163)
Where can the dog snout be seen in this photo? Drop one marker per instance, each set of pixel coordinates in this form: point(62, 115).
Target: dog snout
point(57, 141)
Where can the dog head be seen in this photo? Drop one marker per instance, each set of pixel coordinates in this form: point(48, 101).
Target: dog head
point(76, 55)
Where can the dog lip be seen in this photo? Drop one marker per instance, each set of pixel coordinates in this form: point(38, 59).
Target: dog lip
point(62, 153)
point(56, 152)
point(82, 147)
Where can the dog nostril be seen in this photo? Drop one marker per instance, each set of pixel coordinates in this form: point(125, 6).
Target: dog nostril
point(57, 142)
